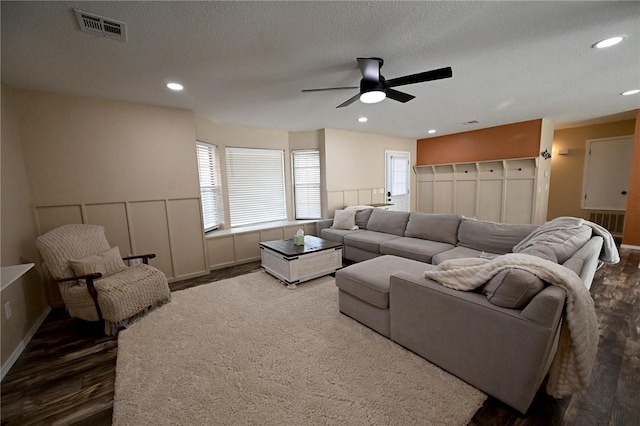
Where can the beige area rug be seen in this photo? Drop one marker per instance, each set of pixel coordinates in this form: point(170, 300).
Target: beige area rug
point(250, 351)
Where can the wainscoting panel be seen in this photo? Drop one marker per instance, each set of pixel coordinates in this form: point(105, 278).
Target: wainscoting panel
point(150, 233)
point(50, 217)
point(364, 196)
point(186, 237)
point(230, 247)
point(340, 199)
point(351, 198)
point(113, 216)
point(171, 228)
point(221, 252)
point(247, 246)
point(335, 201)
point(272, 234)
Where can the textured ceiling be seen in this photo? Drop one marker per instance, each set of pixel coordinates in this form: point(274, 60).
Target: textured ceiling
point(245, 62)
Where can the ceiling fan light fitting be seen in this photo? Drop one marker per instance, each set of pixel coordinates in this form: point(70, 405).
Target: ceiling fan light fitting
point(372, 97)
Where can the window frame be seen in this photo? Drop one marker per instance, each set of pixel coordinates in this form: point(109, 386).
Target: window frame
point(295, 186)
point(214, 190)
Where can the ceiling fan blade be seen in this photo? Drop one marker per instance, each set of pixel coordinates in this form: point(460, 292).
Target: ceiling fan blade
point(349, 101)
point(330, 88)
point(370, 68)
point(421, 77)
point(396, 95)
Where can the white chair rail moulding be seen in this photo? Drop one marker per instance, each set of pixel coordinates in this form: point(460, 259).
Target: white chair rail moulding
point(496, 190)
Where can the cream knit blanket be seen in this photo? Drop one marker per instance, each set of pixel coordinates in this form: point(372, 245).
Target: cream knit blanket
point(578, 345)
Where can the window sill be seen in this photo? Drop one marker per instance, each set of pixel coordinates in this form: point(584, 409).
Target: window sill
point(252, 228)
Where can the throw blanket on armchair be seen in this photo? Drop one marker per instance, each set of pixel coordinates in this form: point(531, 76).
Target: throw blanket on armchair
point(571, 367)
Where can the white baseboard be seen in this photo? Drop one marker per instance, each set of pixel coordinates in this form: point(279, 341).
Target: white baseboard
point(629, 246)
point(16, 354)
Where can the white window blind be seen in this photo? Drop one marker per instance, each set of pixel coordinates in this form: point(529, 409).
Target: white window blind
point(306, 183)
point(210, 185)
point(255, 179)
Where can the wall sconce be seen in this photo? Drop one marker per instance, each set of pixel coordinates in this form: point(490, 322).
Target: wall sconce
point(545, 154)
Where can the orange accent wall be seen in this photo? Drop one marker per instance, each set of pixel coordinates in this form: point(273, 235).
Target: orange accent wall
point(494, 143)
point(632, 217)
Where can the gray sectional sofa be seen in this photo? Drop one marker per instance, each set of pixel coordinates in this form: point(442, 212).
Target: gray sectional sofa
point(500, 338)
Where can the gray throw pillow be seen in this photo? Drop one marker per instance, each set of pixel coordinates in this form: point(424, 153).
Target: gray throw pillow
point(512, 288)
point(362, 218)
point(387, 221)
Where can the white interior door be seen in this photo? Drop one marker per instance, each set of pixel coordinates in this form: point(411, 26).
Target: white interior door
point(397, 180)
point(606, 173)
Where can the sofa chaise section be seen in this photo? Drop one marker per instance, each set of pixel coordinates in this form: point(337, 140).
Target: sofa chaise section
point(503, 352)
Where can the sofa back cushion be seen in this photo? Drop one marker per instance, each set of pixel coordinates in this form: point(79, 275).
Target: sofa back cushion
point(390, 222)
point(362, 218)
point(442, 228)
point(565, 240)
point(490, 236)
point(512, 288)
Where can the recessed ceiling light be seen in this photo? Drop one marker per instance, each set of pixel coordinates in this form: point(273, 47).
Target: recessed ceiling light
point(630, 92)
point(608, 42)
point(363, 119)
point(175, 86)
point(431, 131)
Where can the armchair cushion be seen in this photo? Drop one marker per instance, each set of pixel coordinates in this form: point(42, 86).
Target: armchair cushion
point(106, 263)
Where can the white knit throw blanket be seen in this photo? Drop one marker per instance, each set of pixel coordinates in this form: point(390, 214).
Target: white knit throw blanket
point(578, 344)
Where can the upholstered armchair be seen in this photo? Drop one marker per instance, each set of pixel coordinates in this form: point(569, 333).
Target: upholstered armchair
point(94, 281)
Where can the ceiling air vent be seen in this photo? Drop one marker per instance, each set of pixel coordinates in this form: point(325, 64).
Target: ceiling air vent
point(105, 27)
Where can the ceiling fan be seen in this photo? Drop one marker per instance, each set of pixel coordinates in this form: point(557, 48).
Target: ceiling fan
point(374, 88)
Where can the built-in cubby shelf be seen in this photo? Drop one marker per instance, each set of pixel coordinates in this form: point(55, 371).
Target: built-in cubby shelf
point(497, 190)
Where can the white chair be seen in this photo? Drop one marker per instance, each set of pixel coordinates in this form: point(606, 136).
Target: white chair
point(94, 281)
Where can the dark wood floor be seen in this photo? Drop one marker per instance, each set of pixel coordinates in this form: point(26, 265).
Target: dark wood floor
point(66, 374)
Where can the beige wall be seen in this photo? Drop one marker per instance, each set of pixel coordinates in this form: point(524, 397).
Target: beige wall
point(355, 166)
point(567, 170)
point(128, 167)
point(26, 295)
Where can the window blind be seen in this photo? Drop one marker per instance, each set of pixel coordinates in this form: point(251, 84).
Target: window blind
point(210, 185)
point(306, 183)
point(255, 179)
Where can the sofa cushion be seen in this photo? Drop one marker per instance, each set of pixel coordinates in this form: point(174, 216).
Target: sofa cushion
point(434, 227)
point(565, 241)
point(362, 218)
point(344, 219)
point(390, 222)
point(336, 235)
point(512, 288)
point(490, 236)
point(414, 248)
point(368, 240)
point(541, 251)
point(369, 280)
point(460, 253)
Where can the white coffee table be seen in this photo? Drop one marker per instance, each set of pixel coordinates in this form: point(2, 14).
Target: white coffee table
point(293, 264)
